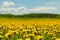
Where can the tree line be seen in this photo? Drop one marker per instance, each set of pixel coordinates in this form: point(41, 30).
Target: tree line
point(31, 15)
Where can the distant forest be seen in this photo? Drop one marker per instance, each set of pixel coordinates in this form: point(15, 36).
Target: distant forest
point(31, 15)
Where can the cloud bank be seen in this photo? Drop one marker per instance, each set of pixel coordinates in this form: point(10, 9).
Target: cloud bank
point(7, 7)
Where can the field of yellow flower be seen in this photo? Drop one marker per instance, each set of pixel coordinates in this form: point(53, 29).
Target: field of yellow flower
point(30, 29)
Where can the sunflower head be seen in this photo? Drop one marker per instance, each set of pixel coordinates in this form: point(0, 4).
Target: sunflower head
point(27, 39)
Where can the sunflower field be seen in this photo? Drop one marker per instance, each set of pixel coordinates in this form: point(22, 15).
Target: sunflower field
point(30, 29)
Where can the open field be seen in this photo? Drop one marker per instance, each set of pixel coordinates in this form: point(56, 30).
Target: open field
point(29, 29)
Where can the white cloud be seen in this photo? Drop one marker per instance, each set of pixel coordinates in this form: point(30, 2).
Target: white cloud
point(14, 10)
point(6, 4)
point(42, 9)
point(8, 7)
point(22, 9)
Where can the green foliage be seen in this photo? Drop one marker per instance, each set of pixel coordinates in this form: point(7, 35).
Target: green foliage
point(31, 15)
point(58, 34)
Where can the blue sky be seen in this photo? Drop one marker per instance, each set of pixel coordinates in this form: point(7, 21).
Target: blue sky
point(29, 6)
